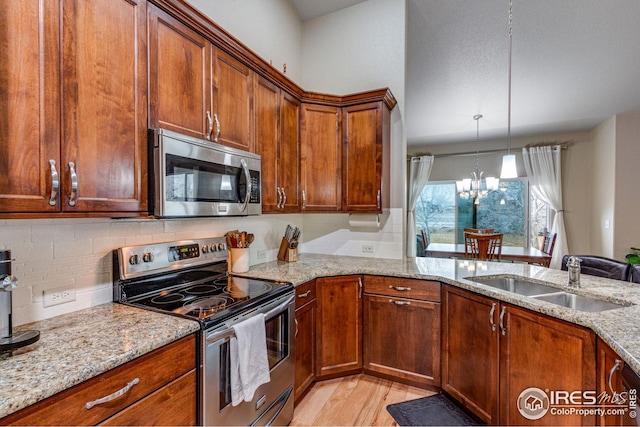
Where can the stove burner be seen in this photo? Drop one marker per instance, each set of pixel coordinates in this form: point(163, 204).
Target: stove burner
point(166, 299)
point(201, 289)
point(205, 307)
point(240, 288)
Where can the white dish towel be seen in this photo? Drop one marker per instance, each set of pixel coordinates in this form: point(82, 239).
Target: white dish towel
point(249, 360)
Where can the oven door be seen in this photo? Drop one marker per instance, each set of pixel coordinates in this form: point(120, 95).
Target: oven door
point(272, 402)
point(197, 178)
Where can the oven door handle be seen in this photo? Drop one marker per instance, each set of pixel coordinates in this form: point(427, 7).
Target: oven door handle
point(230, 332)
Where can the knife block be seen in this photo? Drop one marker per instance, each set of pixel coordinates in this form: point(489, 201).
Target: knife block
point(288, 251)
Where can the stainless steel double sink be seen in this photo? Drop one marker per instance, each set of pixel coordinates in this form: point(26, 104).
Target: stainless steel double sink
point(524, 287)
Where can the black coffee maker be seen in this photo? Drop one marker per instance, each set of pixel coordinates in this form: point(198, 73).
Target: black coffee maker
point(8, 340)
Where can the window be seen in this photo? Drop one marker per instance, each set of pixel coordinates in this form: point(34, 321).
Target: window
point(444, 214)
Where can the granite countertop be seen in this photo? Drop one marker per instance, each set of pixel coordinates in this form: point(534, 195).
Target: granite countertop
point(78, 346)
point(620, 328)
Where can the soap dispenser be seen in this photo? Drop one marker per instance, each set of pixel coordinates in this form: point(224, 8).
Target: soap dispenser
point(573, 265)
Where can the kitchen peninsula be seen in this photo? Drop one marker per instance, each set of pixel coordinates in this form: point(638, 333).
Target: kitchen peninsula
point(618, 327)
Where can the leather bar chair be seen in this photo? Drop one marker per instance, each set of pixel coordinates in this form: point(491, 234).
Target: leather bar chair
point(600, 266)
point(635, 273)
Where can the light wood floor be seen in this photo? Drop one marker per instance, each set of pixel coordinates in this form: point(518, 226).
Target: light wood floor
point(357, 400)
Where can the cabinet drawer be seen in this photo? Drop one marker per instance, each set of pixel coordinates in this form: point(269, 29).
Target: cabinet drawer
point(172, 405)
point(425, 290)
point(305, 293)
point(153, 370)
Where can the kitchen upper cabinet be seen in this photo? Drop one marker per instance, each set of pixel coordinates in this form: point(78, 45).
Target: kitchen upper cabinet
point(276, 119)
point(321, 158)
point(74, 84)
point(365, 159)
point(339, 330)
point(402, 329)
point(492, 352)
point(305, 338)
point(180, 87)
point(232, 97)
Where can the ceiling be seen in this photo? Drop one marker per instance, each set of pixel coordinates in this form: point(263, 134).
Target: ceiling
point(574, 64)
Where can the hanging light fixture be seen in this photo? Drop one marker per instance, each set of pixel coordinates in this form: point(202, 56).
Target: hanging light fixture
point(509, 169)
point(474, 187)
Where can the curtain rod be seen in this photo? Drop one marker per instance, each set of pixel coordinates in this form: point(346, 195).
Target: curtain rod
point(470, 153)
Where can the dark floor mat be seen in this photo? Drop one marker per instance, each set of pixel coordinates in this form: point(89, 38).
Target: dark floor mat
point(436, 410)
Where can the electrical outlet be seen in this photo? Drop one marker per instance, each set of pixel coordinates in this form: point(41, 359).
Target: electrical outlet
point(262, 254)
point(58, 296)
point(367, 249)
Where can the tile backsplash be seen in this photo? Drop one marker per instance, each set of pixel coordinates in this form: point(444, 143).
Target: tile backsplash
point(77, 253)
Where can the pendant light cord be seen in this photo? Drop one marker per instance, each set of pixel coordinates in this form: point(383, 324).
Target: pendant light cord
point(509, 105)
point(477, 118)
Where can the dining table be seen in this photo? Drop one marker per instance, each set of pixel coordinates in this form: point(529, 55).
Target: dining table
point(509, 253)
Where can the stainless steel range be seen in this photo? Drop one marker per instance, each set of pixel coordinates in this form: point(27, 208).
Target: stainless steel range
point(189, 279)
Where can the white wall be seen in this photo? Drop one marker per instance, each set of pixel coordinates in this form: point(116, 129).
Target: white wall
point(602, 182)
point(272, 29)
point(626, 224)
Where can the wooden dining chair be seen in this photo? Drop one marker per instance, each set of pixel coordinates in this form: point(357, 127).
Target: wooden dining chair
point(548, 243)
point(479, 230)
point(483, 246)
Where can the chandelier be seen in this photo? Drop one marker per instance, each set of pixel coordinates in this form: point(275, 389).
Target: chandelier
point(475, 187)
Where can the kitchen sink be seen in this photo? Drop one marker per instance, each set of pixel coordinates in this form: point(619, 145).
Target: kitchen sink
point(519, 286)
point(578, 302)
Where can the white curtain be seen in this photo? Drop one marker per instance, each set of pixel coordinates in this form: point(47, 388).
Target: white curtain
point(543, 169)
point(419, 171)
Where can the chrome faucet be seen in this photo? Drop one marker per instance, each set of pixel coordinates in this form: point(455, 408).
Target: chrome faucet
point(573, 265)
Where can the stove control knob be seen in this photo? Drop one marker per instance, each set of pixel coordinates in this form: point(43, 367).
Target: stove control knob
point(147, 257)
point(205, 249)
point(134, 259)
point(222, 246)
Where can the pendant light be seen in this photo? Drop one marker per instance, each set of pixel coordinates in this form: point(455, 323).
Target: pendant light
point(473, 187)
point(509, 169)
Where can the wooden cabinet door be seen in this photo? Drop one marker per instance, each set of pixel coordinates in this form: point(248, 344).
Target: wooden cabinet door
point(104, 146)
point(30, 107)
point(232, 95)
point(179, 77)
point(289, 152)
point(305, 348)
point(339, 333)
point(402, 338)
point(365, 145)
point(470, 343)
point(320, 159)
point(609, 383)
point(265, 109)
point(549, 354)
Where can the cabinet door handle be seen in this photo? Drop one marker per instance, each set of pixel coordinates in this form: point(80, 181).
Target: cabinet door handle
point(112, 396)
point(617, 366)
point(304, 199)
point(279, 202)
point(284, 198)
point(55, 183)
point(378, 200)
point(304, 295)
point(399, 288)
point(209, 126)
point(74, 184)
point(502, 327)
point(491, 322)
point(215, 117)
point(400, 302)
point(360, 285)
point(296, 334)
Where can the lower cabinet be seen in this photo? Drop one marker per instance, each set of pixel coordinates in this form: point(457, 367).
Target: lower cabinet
point(402, 329)
point(305, 338)
point(614, 392)
point(339, 328)
point(498, 359)
point(164, 394)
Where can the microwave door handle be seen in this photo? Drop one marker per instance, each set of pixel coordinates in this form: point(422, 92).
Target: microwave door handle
point(247, 176)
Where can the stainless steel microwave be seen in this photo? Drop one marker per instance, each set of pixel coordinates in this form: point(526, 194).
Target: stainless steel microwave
point(191, 177)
